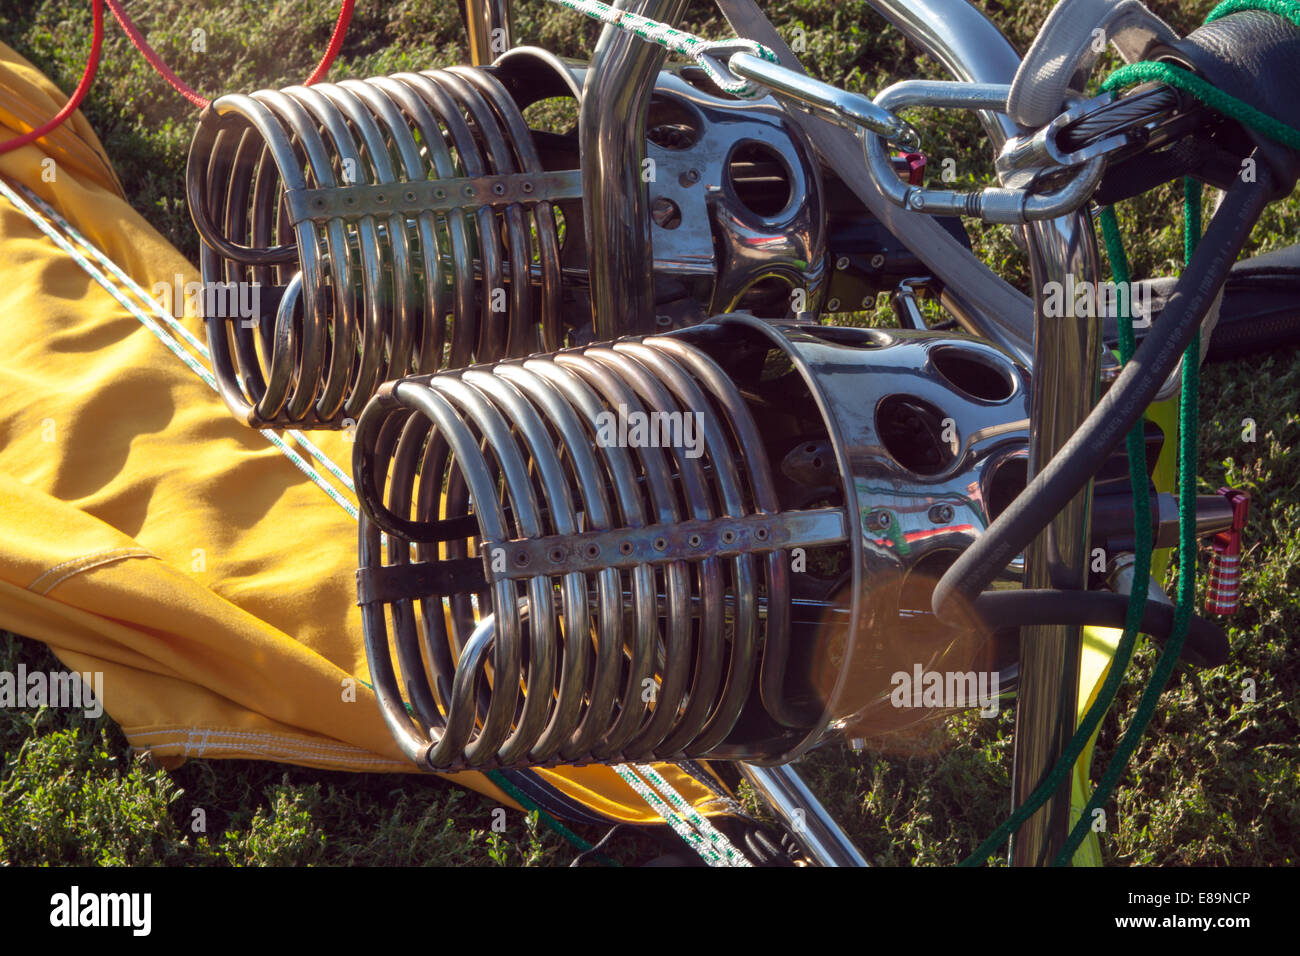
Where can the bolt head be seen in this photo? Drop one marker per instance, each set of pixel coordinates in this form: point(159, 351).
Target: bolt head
point(941, 514)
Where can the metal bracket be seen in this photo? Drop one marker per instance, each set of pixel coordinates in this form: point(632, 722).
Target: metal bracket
point(420, 580)
point(440, 195)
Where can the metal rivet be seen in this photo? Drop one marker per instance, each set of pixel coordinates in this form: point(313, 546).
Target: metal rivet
point(760, 534)
point(625, 547)
point(833, 304)
point(440, 194)
point(842, 263)
point(469, 191)
point(728, 537)
point(695, 541)
point(557, 554)
point(526, 186)
point(410, 195)
point(593, 551)
point(661, 544)
point(499, 188)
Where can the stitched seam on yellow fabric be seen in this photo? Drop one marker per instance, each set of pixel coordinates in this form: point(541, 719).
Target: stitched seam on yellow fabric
point(265, 744)
point(302, 742)
point(85, 563)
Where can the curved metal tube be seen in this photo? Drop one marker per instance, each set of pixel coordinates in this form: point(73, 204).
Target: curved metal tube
point(1007, 206)
point(616, 210)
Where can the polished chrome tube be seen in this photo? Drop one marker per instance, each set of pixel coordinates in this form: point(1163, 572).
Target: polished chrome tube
point(615, 204)
point(851, 109)
point(1067, 364)
point(488, 24)
point(804, 817)
point(1066, 373)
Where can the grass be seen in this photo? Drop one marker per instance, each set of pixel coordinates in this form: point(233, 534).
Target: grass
point(1215, 780)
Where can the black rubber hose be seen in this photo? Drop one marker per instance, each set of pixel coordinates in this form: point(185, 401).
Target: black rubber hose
point(1119, 409)
point(1205, 646)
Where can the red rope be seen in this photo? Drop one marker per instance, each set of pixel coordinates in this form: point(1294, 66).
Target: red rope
point(87, 77)
point(336, 43)
point(322, 68)
point(92, 65)
point(154, 59)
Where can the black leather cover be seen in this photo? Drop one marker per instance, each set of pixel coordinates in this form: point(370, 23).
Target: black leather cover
point(1261, 306)
point(1254, 56)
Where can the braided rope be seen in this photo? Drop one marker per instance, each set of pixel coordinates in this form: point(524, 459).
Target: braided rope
point(711, 55)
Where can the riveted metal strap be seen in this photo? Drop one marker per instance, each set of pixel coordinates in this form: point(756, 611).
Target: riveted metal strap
point(440, 195)
point(597, 550)
point(656, 544)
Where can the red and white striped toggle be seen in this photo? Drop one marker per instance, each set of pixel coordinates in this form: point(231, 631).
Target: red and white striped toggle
point(1225, 566)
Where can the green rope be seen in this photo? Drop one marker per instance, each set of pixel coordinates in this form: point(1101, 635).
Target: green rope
point(1286, 9)
point(1213, 97)
point(1137, 600)
point(1188, 425)
point(502, 781)
point(708, 54)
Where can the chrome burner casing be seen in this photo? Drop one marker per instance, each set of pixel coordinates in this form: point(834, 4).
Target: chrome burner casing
point(735, 242)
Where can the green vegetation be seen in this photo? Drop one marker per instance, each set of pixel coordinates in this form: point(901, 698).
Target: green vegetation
point(1216, 780)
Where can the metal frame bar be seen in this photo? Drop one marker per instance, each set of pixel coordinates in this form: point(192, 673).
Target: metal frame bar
point(1066, 382)
point(616, 204)
point(482, 18)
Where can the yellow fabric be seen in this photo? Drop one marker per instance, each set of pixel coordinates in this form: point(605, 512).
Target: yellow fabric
point(146, 534)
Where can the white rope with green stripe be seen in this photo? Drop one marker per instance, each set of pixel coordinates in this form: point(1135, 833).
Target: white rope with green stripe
point(713, 847)
point(83, 251)
point(693, 816)
point(711, 55)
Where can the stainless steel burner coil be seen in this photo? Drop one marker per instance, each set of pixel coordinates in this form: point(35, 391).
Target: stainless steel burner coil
point(390, 226)
point(627, 580)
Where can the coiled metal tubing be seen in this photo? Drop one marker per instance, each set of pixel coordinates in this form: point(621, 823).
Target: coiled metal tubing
point(623, 633)
point(458, 262)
